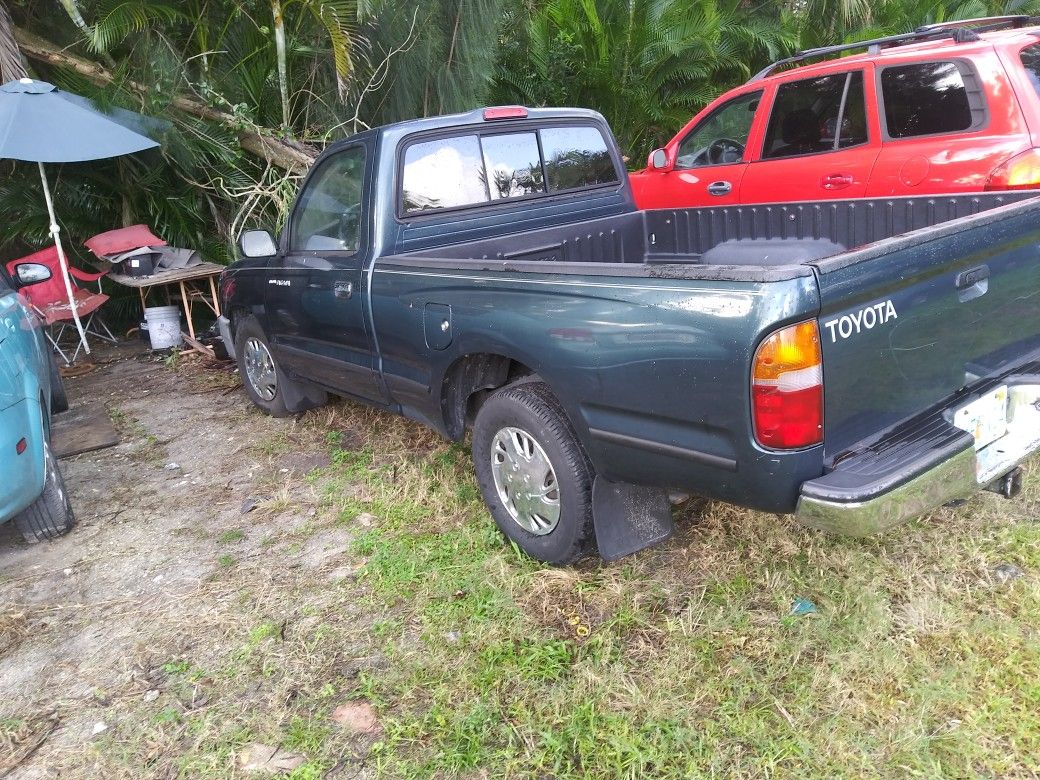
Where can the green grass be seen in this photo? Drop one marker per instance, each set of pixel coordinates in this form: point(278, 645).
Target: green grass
point(684, 661)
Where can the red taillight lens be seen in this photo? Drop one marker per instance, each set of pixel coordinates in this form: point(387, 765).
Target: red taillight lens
point(1021, 172)
point(505, 112)
point(21, 446)
point(787, 388)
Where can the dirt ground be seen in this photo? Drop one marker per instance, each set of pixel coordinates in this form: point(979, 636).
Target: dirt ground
point(327, 597)
point(95, 622)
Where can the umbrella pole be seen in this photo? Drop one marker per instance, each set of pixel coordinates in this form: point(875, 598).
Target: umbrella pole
point(61, 257)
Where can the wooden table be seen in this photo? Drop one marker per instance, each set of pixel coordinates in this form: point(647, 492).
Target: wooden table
point(197, 284)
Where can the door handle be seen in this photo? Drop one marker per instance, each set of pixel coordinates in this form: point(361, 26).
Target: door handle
point(343, 289)
point(720, 188)
point(972, 284)
point(970, 278)
point(837, 181)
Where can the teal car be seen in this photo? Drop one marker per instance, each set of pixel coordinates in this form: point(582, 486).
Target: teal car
point(32, 491)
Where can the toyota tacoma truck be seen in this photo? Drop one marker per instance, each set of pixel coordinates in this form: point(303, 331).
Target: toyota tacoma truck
point(857, 363)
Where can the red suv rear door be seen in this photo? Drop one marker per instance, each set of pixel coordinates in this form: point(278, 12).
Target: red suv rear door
point(820, 141)
point(947, 123)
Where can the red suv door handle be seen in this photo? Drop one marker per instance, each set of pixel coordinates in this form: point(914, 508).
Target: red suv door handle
point(836, 181)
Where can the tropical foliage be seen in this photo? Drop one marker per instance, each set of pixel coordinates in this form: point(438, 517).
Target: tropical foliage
point(245, 92)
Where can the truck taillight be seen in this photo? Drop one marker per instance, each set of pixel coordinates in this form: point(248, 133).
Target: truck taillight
point(787, 388)
point(1021, 172)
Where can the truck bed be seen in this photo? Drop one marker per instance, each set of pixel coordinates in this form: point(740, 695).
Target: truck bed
point(733, 236)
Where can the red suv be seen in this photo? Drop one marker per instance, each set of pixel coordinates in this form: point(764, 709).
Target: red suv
point(947, 108)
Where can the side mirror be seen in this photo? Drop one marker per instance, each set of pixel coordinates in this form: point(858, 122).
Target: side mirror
point(31, 273)
point(658, 160)
point(257, 243)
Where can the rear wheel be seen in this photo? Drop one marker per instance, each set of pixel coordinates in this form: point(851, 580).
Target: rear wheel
point(533, 473)
point(50, 515)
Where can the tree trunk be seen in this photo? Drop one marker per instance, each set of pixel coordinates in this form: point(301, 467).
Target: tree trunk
point(285, 153)
point(283, 65)
point(12, 63)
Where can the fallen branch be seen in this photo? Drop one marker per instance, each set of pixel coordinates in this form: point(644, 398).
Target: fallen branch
point(285, 153)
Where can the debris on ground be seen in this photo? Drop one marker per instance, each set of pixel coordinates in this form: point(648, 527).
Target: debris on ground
point(358, 716)
point(1004, 573)
point(268, 760)
point(803, 607)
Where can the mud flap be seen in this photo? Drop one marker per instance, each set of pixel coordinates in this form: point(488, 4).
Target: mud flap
point(300, 396)
point(629, 518)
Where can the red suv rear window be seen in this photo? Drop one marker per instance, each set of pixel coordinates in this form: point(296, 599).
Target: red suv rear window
point(1030, 57)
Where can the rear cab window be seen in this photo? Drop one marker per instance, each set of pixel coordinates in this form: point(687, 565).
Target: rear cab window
point(821, 114)
point(479, 168)
point(931, 98)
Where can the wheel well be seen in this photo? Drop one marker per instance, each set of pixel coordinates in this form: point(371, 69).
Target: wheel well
point(234, 315)
point(469, 382)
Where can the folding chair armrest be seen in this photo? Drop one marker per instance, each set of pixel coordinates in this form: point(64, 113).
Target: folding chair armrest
point(83, 276)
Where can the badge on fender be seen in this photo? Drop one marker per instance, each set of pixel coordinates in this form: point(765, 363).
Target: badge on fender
point(864, 319)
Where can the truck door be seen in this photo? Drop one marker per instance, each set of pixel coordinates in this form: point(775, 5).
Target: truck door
point(818, 143)
point(315, 300)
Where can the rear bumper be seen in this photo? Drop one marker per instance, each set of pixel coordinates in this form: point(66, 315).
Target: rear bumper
point(950, 480)
point(925, 463)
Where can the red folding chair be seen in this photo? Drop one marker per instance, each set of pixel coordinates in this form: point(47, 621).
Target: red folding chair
point(51, 301)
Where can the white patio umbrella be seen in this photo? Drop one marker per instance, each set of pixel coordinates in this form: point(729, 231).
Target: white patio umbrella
point(39, 123)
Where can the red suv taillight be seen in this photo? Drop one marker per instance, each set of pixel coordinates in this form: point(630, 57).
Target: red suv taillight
point(1021, 172)
point(787, 388)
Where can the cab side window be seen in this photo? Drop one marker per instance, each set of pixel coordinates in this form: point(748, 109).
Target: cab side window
point(328, 217)
point(817, 115)
point(722, 137)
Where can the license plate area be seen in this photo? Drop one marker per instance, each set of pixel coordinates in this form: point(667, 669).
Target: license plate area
point(1005, 423)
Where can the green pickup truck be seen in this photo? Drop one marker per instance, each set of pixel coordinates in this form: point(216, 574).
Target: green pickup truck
point(855, 362)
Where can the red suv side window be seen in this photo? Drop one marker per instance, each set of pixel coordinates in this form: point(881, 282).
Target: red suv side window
point(927, 98)
point(817, 115)
point(722, 137)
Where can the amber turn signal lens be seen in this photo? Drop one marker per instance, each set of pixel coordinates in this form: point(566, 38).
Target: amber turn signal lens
point(787, 388)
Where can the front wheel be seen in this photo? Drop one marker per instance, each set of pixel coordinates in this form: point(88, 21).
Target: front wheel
point(534, 474)
point(263, 380)
point(50, 515)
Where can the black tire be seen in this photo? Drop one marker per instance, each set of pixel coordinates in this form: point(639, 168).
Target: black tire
point(59, 397)
point(248, 329)
point(532, 409)
point(50, 515)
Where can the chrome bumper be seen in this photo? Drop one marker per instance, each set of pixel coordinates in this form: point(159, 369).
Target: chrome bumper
point(952, 479)
point(873, 506)
point(224, 326)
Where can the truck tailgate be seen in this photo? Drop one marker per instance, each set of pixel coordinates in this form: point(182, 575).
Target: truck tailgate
point(911, 322)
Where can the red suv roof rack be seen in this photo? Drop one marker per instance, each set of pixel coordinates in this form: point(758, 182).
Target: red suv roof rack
point(961, 31)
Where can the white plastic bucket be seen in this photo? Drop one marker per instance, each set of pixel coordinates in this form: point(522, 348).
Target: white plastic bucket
point(164, 326)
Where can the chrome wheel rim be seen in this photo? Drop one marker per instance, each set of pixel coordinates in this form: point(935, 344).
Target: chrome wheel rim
point(260, 369)
point(525, 481)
